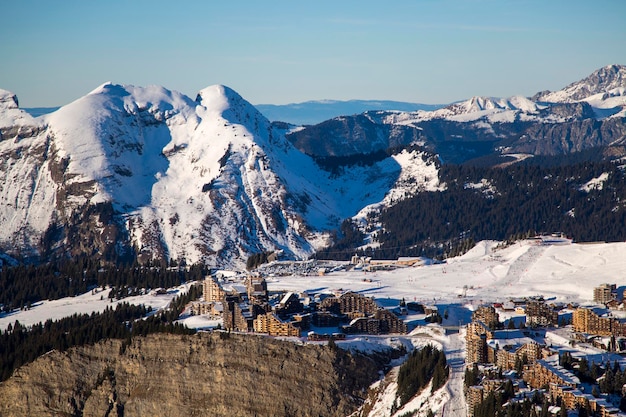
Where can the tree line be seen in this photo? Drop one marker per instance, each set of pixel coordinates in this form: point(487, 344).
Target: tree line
point(20, 345)
point(23, 285)
point(422, 366)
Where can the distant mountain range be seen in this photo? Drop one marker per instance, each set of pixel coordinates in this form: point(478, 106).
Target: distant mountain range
point(587, 114)
point(144, 172)
point(313, 112)
point(308, 112)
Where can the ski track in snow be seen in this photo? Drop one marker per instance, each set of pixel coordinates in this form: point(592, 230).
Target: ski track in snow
point(520, 266)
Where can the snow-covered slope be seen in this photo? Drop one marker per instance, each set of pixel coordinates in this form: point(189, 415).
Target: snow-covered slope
point(491, 108)
point(144, 170)
point(603, 90)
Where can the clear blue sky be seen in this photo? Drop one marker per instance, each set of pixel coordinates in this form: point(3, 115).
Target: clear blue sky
point(428, 51)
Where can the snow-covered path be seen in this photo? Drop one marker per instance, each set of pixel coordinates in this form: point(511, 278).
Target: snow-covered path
point(454, 348)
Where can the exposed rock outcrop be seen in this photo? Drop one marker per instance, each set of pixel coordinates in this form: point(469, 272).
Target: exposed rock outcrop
point(203, 374)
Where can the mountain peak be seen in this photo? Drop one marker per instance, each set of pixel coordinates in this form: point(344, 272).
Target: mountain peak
point(11, 114)
point(222, 101)
point(600, 81)
point(8, 100)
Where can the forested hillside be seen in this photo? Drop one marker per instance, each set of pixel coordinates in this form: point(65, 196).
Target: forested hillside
point(23, 285)
point(585, 201)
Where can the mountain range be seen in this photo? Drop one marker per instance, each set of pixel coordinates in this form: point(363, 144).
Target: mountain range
point(314, 112)
point(144, 172)
point(588, 114)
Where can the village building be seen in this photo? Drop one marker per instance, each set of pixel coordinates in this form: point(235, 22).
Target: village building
point(544, 372)
point(289, 304)
point(474, 396)
point(586, 320)
point(214, 309)
point(256, 288)
point(487, 315)
point(477, 393)
point(476, 342)
point(325, 319)
point(382, 322)
point(604, 293)
point(239, 315)
point(212, 290)
point(509, 354)
point(370, 264)
point(574, 398)
point(351, 304)
point(273, 325)
point(538, 313)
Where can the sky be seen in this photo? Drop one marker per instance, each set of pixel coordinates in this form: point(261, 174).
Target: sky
point(279, 52)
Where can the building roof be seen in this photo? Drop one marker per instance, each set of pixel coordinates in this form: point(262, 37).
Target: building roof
point(511, 345)
point(286, 297)
point(559, 371)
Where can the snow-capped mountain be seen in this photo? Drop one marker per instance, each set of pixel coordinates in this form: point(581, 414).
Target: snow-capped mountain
point(145, 171)
point(600, 81)
point(604, 90)
point(588, 114)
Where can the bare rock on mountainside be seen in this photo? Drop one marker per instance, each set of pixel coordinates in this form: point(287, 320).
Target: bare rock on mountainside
point(602, 80)
point(214, 374)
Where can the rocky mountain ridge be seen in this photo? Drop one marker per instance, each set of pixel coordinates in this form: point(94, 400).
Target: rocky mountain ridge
point(588, 114)
point(216, 374)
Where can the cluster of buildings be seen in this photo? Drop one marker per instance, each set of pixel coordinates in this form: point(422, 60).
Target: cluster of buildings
point(535, 364)
point(564, 385)
point(507, 349)
point(250, 308)
point(366, 263)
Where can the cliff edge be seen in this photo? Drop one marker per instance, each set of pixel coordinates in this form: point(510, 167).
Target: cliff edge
point(215, 374)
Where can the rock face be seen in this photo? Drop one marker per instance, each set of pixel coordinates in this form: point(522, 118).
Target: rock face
point(600, 81)
point(203, 374)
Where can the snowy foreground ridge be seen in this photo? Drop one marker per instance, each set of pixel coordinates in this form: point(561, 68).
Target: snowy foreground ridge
point(561, 272)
